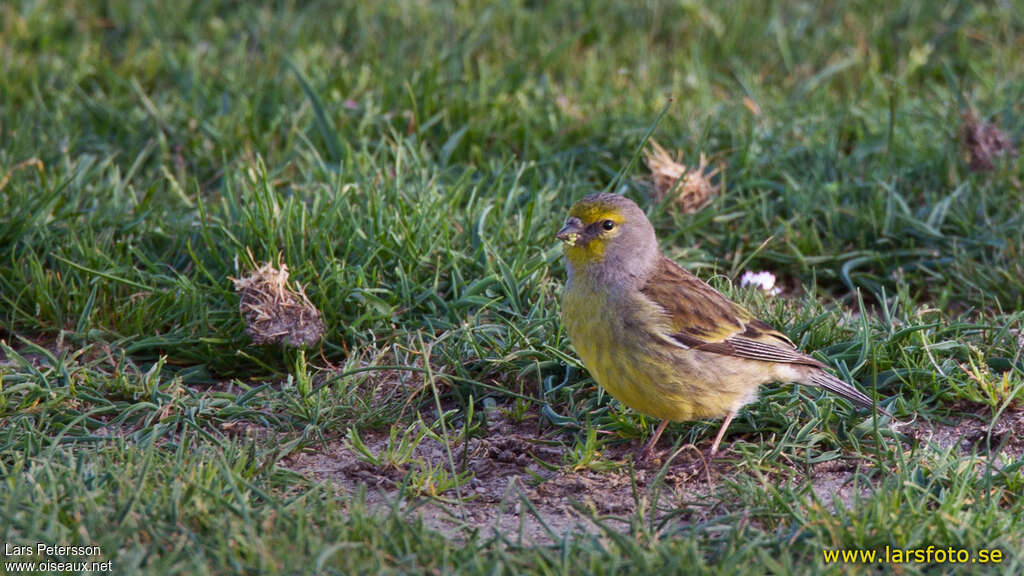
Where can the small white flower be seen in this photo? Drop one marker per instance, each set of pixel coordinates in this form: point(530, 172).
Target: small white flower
point(763, 280)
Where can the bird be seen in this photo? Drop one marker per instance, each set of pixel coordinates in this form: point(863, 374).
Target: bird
point(658, 338)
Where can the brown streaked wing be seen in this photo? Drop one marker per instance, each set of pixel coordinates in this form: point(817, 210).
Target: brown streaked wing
point(703, 318)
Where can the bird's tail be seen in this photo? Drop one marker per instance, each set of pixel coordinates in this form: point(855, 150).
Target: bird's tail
point(823, 379)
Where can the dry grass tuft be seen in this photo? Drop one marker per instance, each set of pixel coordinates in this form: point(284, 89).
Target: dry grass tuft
point(274, 313)
point(983, 141)
point(693, 192)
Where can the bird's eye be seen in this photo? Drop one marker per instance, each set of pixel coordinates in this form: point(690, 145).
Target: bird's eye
point(608, 224)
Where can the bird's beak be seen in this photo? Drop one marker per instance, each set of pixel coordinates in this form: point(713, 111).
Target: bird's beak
point(570, 233)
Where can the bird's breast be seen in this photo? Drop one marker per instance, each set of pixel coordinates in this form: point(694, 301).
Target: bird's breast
point(616, 339)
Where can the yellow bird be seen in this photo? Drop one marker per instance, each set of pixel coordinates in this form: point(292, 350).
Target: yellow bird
point(659, 339)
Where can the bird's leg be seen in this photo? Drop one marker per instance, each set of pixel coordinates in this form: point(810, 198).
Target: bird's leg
point(721, 431)
point(648, 448)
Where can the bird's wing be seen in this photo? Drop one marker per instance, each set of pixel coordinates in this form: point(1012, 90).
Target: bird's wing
point(701, 318)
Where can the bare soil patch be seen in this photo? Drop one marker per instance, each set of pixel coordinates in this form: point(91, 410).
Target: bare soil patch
point(513, 490)
point(522, 489)
point(978, 435)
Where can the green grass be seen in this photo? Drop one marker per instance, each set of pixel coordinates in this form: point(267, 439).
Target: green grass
point(411, 162)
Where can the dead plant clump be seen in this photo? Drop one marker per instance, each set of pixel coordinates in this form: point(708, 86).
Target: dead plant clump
point(694, 191)
point(275, 313)
point(983, 142)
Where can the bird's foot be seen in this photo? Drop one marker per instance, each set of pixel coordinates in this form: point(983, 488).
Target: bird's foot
point(685, 457)
point(714, 451)
point(649, 458)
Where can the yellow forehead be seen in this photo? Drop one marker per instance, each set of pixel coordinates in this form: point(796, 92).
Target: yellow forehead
point(590, 213)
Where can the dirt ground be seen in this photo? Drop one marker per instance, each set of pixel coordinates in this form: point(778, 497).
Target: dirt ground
point(522, 490)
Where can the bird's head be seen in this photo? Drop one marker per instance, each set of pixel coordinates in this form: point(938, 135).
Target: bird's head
point(608, 234)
